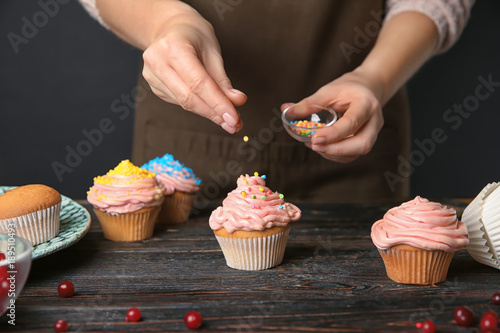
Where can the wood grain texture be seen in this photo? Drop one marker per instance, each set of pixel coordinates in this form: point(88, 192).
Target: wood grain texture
point(332, 279)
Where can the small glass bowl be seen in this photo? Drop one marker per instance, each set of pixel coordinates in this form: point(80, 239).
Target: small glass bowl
point(301, 121)
point(14, 270)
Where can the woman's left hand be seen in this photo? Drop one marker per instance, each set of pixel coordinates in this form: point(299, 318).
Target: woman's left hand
point(357, 100)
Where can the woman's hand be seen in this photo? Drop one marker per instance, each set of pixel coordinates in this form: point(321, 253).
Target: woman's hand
point(183, 65)
point(357, 100)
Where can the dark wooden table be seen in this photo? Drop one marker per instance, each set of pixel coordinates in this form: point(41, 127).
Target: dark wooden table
point(332, 280)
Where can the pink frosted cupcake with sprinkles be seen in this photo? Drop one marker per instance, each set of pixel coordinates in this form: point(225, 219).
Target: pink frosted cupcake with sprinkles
point(180, 186)
point(126, 201)
point(252, 225)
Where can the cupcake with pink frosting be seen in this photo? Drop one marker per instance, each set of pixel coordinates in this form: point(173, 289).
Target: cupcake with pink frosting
point(126, 201)
point(180, 186)
point(252, 225)
point(417, 241)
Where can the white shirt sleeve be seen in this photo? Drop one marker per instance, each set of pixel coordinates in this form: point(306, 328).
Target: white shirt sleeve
point(450, 16)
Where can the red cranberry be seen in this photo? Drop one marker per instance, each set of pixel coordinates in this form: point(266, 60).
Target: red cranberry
point(495, 299)
point(66, 289)
point(193, 320)
point(4, 287)
point(464, 316)
point(133, 315)
point(3, 269)
point(491, 313)
point(488, 321)
point(61, 326)
point(428, 327)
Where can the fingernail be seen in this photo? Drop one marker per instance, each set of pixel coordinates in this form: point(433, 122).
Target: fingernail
point(228, 128)
point(236, 91)
point(318, 140)
point(319, 149)
point(229, 119)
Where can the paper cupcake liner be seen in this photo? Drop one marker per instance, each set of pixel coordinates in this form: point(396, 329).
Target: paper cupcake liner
point(37, 227)
point(479, 216)
point(128, 227)
point(176, 208)
point(253, 254)
point(416, 266)
point(491, 226)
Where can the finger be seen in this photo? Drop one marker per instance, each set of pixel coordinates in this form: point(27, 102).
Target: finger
point(286, 106)
point(340, 159)
point(215, 67)
point(202, 85)
point(359, 144)
point(183, 96)
point(349, 124)
point(158, 87)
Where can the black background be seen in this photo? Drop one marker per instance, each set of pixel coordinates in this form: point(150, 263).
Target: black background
point(64, 78)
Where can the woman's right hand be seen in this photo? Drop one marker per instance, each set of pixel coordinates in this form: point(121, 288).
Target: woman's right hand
point(183, 65)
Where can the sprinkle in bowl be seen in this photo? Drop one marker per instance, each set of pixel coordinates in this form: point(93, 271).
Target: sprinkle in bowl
point(301, 121)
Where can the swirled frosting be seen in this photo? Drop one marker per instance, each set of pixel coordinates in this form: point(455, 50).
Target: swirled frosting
point(174, 175)
point(253, 207)
point(423, 224)
point(125, 189)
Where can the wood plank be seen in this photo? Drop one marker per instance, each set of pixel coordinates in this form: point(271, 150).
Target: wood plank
point(332, 280)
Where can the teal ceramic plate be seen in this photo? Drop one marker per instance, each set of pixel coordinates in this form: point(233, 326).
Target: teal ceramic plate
point(75, 222)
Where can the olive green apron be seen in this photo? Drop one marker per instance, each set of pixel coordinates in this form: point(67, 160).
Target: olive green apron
point(279, 51)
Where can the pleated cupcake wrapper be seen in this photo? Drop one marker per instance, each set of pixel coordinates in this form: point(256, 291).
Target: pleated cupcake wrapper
point(128, 227)
point(176, 209)
point(253, 254)
point(483, 224)
point(416, 267)
point(37, 227)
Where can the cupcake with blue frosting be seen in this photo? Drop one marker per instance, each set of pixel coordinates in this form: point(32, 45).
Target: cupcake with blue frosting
point(180, 186)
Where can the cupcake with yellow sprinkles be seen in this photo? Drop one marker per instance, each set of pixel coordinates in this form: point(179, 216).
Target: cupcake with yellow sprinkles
point(126, 202)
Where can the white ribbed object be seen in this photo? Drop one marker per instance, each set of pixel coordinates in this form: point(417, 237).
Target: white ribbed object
point(482, 217)
point(37, 227)
point(253, 254)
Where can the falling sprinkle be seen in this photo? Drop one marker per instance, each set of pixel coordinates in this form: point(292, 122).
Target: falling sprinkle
point(245, 138)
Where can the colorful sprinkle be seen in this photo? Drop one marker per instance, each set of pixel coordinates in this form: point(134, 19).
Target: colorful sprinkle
point(304, 126)
point(252, 206)
point(243, 194)
point(256, 174)
point(281, 196)
point(253, 196)
point(168, 165)
point(245, 138)
point(245, 181)
point(264, 197)
point(263, 177)
point(280, 207)
point(261, 189)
